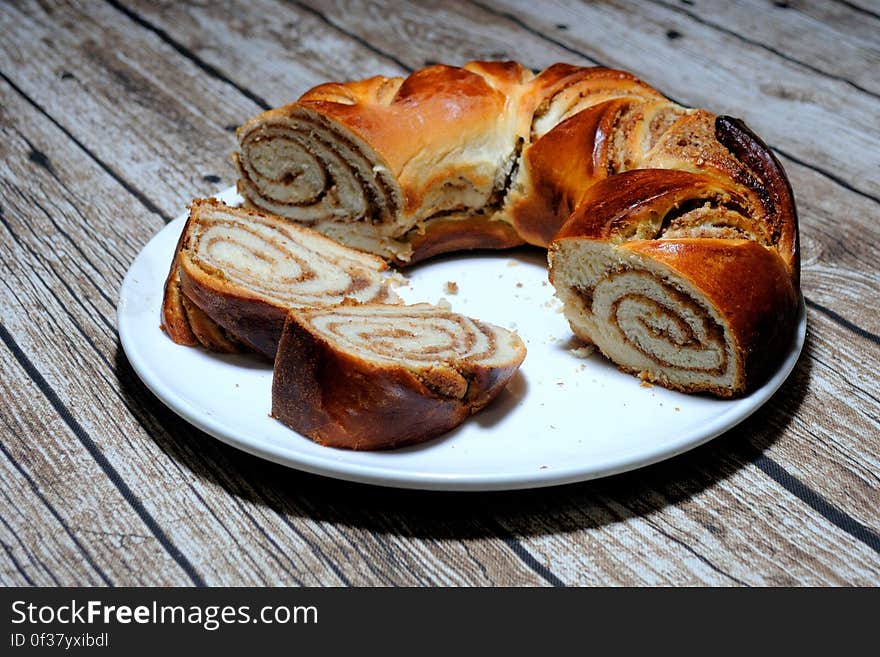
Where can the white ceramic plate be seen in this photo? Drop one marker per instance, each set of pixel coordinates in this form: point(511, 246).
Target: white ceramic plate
point(562, 418)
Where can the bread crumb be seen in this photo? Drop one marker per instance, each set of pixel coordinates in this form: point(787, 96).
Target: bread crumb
point(519, 284)
point(646, 384)
point(451, 287)
point(584, 351)
point(395, 279)
point(677, 409)
point(512, 263)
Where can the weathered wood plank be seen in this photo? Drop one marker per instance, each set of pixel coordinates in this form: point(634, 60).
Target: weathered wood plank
point(63, 521)
point(158, 127)
point(790, 31)
point(849, 19)
point(377, 536)
point(724, 539)
point(704, 518)
point(184, 23)
point(229, 538)
point(290, 53)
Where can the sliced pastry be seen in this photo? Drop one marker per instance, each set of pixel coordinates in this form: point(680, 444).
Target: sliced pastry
point(381, 376)
point(237, 273)
point(676, 277)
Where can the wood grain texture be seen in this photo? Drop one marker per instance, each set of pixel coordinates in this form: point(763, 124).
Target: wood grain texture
point(851, 20)
point(110, 86)
point(796, 32)
point(126, 113)
point(58, 504)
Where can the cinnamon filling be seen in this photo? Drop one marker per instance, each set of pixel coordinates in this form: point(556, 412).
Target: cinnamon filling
point(381, 202)
point(439, 338)
point(665, 321)
point(294, 286)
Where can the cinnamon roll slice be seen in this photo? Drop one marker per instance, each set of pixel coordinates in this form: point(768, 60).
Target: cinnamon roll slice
point(381, 376)
point(371, 163)
point(694, 314)
point(237, 273)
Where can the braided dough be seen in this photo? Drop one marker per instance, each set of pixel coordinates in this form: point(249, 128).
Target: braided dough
point(672, 232)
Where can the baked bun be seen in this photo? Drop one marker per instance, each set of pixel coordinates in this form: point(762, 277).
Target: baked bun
point(487, 155)
point(578, 159)
point(696, 315)
point(673, 278)
point(237, 273)
point(411, 167)
point(381, 376)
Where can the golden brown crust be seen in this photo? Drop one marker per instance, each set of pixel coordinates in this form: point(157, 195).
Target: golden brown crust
point(444, 235)
point(748, 285)
point(770, 181)
point(207, 331)
point(342, 400)
point(175, 321)
point(638, 203)
point(563, 165)
point(435, 138)
point(434, 107)
point(506, 76)
point(577, 87)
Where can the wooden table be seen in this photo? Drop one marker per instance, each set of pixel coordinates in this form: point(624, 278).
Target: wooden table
point(115, 114)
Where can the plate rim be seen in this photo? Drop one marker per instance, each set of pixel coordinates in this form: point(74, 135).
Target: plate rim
point(473, 482)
